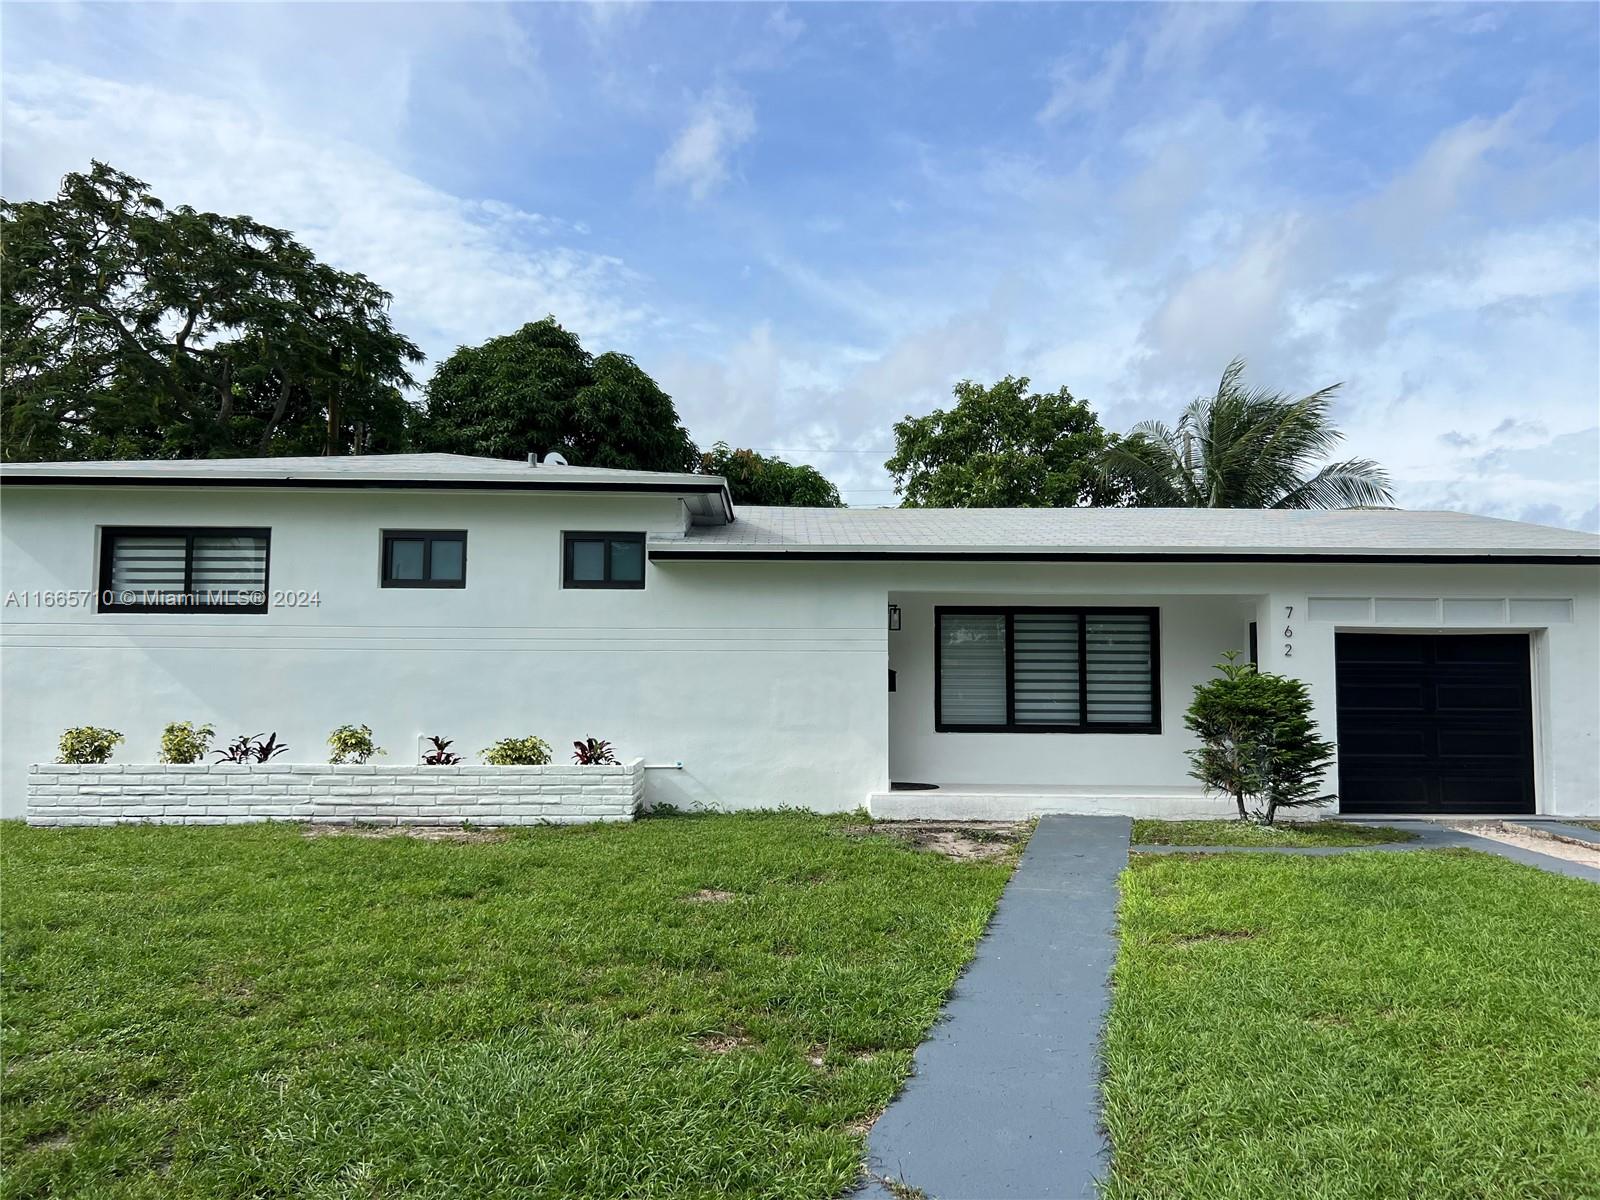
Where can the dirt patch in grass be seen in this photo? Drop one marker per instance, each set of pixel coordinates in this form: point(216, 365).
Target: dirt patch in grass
point(422, 833)
point(1529, 839)
point(723, 1043)
point(48, 1141)
point(709, 896)
point(970, 841)
point(1214, 935)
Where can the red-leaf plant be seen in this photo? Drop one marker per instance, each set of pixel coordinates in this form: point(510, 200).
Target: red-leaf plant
point(247, 749)
point(440, 755)
point(593, 752)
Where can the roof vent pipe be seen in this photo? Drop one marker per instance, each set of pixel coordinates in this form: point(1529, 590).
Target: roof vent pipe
point(533, 460)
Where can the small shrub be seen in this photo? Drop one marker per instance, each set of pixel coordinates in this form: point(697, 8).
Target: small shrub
point(594, 752)
point(88, 744)
point(518, 752)
point(441, 754)
point(182, 743)
point(247, 749)
point(1258, 743)
point(351, 744)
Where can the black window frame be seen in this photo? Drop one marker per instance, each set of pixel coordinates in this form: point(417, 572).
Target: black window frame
point(427, 537)
point(110, 533)
point(1083, 725)
point(571, 536)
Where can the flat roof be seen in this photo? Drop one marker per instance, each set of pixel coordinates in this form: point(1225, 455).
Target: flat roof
point(1133, 533)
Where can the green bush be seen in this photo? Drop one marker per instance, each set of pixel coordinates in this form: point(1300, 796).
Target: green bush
point(518, 752)
point(181, 742)
point(352, 744)
point(1258, 743)
point(88, 744)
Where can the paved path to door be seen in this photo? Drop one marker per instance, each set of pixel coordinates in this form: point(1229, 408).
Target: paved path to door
point(1004, 1100)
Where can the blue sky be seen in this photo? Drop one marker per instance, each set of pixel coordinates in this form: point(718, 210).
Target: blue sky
point(810, 220)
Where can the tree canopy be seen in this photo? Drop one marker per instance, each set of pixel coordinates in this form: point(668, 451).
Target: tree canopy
point(538, 390)
point(756, 479)
point(1246, 448)
point(131, 330)
point(1003, 446)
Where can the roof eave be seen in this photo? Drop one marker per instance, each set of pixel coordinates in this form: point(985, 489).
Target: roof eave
point(712, 486)
point(687, 552)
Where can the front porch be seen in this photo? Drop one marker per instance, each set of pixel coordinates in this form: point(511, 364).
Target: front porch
point(1011, 705)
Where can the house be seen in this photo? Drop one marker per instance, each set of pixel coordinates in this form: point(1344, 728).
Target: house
point(935, 663)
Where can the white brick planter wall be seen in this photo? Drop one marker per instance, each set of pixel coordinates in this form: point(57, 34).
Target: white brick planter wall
point(229, 794)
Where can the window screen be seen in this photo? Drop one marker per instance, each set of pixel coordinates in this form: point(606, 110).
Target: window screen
point(1036, 670)
point(175, 569)
point(972, 676)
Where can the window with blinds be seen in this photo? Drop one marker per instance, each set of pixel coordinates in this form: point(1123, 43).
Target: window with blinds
point(166, 569)
point(1047, 670)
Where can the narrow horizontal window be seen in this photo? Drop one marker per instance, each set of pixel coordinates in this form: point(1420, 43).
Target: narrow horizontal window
point(1046, 670)
point(425, 558)
point(602, 560)
point(182, 569)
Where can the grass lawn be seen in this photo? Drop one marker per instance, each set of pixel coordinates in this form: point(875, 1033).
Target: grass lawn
point(1368, 1025)
point(1242, 833)
point(687, 1006)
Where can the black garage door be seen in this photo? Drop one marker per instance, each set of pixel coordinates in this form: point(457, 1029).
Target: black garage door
point(1434, 723)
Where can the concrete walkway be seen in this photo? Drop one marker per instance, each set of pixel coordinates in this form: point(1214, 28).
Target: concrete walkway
point(1004, 1096)
point(1004, 1099)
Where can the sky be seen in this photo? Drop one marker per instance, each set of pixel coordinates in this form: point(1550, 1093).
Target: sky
point(808, 221)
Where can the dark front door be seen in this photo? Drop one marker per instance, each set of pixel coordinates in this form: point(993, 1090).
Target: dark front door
point(1432, 723)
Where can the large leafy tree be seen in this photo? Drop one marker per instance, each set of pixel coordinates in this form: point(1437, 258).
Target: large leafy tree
point(1003, 446)
point(757, 479)
point(132, 330)
point(538, 390)
point(1246, 448)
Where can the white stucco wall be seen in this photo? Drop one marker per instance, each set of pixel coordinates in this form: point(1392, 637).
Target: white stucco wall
point(769, 694)
point(767, 680)
point(1205, 610)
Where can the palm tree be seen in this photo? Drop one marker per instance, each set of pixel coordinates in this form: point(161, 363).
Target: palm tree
point(1244, 448)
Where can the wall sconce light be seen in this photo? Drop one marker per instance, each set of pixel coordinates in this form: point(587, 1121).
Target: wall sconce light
point(894, 617)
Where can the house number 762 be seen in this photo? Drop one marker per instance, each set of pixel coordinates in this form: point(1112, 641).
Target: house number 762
point(1288, 631)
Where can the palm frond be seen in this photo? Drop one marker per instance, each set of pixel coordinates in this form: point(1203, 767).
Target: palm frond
point(1354, 483)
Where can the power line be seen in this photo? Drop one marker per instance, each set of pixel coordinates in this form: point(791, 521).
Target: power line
point(810, 450)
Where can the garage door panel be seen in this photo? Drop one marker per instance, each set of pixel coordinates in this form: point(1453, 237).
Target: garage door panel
point(1454, 697)
point(1482, 744)
point(1385, 697)
point(1483, 793)
point(1434, 723)
point(1383, 791)
point(1495, 650)
point(1391, 744)
point(1383, 650)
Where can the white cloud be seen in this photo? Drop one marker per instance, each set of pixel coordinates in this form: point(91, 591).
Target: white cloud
point(1076, 87)
point(461, 269)
point(697, 160)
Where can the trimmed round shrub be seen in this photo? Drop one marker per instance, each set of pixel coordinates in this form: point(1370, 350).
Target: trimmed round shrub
point(182, 743)
point(518, 752)
point(88, 744)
